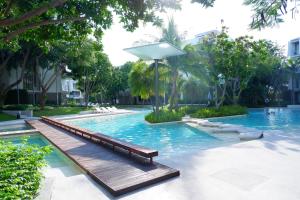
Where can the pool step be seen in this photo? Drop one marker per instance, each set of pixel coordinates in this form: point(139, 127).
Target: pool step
point(245, 133)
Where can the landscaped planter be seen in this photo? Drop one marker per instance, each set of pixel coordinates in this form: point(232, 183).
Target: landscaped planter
point(23, 113)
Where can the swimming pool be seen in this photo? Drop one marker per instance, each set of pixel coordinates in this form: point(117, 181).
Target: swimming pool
point(285, 119)
point(169, 139)
point(14, 127)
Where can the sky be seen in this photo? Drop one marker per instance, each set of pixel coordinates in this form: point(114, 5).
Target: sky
point(193, 19)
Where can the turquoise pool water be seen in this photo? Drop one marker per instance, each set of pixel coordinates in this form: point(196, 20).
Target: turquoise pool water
point(54, 160)
point(14, 127)
point(169, 139)
point(268, 118)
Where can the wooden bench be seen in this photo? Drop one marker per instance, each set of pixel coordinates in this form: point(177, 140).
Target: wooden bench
point(104, 139)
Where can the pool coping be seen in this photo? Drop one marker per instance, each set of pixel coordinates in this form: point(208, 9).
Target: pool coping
point(63, 117)
point(18, 132)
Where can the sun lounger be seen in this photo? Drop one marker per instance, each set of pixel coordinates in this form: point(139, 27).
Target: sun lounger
point(251, 135)
point(99, 110)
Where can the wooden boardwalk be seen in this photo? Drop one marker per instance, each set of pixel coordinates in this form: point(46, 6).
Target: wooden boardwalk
point(116, 172)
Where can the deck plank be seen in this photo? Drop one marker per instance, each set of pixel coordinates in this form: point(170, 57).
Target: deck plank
point(117, 173)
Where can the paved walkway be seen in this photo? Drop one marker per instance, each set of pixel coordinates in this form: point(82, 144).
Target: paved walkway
point(254, 170)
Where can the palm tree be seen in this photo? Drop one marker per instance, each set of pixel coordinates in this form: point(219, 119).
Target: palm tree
point(171, 35)
point(141, 82)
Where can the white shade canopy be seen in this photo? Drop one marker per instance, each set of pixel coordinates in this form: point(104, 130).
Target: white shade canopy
point(155, 51)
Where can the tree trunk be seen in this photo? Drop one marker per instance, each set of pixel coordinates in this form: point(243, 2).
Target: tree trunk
point(87, 97)
point(4, 87)
point(219, 100)
point(2, 100)
point(43, 98)
point(235, 97)
point(173, 97)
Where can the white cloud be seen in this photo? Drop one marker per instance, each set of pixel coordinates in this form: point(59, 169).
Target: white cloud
point(194, 19)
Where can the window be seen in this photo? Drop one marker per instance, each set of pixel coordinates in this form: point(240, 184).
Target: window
point(30, 81)
point(296, 48)
point(298, 83)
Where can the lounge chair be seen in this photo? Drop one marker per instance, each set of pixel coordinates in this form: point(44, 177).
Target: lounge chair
point(251, 135)
point(100, 110)
point(109, 109)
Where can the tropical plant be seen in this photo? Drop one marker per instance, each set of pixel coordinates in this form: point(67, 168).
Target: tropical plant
point(220, 112)
point(267, 85)
point(164, 116)
point(293, 66)
point(232, 63)
point(141, 79)
point(20, 174)
point(91, 67)
point(171, 35)
point(270, 13)
point(194, 90)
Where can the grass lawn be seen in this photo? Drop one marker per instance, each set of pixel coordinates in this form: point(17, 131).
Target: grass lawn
point(6, 117)
point(51, 111)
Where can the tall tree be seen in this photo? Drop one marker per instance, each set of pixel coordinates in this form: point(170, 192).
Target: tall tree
point(91, 67)
point(10, 62)
point(49, 67)
point(171, 35)
point(270, 13)
point(141, 80)
point(20, 20)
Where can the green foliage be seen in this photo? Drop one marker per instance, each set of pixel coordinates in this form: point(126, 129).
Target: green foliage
point(52, 111)
point(220, 112)
point(171, 35)
point(164, 116)
point(194, 91)
point(18, 107)
point(190, 109)
point(270, 13)
point(236, 61)
point(44, 21)
point(20, 169)
point(269, 79)
point(92, 68)
point(141, 79)
point(6, 117)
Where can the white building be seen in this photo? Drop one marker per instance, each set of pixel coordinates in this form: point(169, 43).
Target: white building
point(294, 81)
point(57, 92)
point(199, 37)
point(69, 86)
point(294, 48)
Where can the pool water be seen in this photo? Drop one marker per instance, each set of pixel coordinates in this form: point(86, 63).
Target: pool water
point(169, 139)
point(54, 160)
point(14, 127)
point(267, 118)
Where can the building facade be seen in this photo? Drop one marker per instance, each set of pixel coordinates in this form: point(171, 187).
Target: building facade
point(28, 91)
point(294, 78)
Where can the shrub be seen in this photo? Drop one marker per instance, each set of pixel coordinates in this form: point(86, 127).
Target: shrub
point(20, 169)
point(222, 111)
point(164, 116)
point(190, 109)
point(18, 107)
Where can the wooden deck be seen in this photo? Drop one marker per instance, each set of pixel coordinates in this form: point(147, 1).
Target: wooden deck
point(116, 172)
